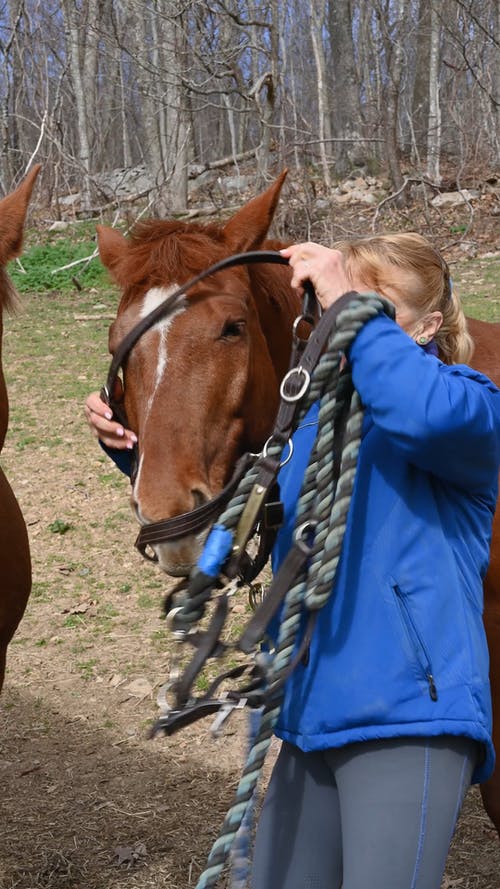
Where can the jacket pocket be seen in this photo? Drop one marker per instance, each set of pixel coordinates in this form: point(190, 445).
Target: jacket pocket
point(416, 641)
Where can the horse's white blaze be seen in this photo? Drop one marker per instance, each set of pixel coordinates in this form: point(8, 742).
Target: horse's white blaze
point(152, 299)
point(135, 489)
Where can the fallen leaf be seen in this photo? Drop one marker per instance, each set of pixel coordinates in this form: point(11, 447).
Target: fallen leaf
point(139, 688)
point(129, 855)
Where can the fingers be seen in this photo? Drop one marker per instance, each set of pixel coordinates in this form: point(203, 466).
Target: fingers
point(299, 262)
point(100, 420)
point(324, 267)
point(95, 405)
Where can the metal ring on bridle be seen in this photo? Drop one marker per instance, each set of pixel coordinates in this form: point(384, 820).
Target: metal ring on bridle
point(305, 529)
point(265, 450)
point(170, 619)
point(296, 396)
point(308, 319)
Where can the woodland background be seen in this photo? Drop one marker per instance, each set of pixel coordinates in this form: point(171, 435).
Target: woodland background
point(172, 88)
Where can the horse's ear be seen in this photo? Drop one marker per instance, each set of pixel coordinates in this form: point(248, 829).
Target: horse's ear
point(248, 228)
point(12, 215)
point(112, 248)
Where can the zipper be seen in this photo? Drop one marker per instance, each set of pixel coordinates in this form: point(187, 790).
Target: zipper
point(418, 644)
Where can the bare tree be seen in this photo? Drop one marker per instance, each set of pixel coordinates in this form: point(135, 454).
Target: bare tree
point(318, 21)
point(347, 117)
point(419, 108)
point(81, 48)
point(9, 161)
point(392, 35)
point(434, 126)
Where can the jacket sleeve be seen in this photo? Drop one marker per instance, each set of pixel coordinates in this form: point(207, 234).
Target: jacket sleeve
point(445, 418)
point(121, 458)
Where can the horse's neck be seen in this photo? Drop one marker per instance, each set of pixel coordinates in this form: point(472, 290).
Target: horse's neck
point(486, 357)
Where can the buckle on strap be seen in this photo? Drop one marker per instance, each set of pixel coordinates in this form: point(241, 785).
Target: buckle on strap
point(292, 396)
point(175, 720)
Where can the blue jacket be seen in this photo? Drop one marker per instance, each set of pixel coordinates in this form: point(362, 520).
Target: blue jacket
point(400, 647)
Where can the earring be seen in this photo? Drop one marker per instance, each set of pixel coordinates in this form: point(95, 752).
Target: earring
point(423, 340)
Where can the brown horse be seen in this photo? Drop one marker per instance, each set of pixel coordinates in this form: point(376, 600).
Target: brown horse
point(193, 426)
point(202, 386)
point(486, 358)
point(15, 564)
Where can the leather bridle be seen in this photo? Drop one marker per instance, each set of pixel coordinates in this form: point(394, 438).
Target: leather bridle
point(197, 519)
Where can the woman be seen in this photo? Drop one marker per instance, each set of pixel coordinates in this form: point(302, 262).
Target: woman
point(389, 721)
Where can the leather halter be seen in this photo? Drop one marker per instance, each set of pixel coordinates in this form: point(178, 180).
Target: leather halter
point(197, 519)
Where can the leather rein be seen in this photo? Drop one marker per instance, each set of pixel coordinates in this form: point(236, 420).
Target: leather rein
point(197, 519)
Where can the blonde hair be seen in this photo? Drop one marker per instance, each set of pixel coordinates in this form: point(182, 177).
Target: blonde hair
point(375, 258)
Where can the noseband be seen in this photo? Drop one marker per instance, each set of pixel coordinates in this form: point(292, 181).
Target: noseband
point(197, 519)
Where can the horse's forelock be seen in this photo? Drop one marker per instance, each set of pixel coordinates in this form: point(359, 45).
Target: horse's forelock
point(162, 251)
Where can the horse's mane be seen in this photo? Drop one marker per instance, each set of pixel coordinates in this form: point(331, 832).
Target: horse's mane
point(9, 299)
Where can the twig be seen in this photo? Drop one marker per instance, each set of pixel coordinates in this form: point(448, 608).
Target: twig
point(222, 162)
point(71, 265)
point(204, 211)
point(94, 317)
point(420, 180)
point(35, 768)
point(40, 140)
point(389, 197)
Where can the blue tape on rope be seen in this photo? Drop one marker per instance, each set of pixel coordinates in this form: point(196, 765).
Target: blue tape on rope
point(216, 550)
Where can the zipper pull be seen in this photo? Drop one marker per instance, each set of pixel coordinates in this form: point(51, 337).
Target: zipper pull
point(432, 687)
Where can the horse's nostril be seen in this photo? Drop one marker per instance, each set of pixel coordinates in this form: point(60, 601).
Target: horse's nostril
point(199, 497)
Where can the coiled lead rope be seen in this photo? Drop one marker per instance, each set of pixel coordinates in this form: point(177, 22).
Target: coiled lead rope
point(323, 505)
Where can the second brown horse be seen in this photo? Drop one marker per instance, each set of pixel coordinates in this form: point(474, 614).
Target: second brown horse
point(15, 564)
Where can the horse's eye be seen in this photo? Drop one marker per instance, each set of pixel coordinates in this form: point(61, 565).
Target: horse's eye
point(232, 329)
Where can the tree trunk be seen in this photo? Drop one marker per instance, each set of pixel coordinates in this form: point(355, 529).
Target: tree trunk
point(176, 114)
point(434, 125)
point(263, 90)
point(8, 117)
point(347, 118)
point(419, 110)
point(324, 121)
point(393, 43)
point(164, 114)
point(493, 114)
point(76, 53)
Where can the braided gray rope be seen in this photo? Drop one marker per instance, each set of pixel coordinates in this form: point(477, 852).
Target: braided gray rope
point(328, 506)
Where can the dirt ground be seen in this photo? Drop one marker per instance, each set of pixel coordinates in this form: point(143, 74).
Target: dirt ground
point(87, 801)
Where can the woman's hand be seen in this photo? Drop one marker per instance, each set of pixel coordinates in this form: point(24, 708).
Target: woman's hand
point(100, 419)
point(323, 267)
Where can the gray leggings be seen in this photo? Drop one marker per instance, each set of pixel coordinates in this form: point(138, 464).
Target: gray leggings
point(377, 814)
